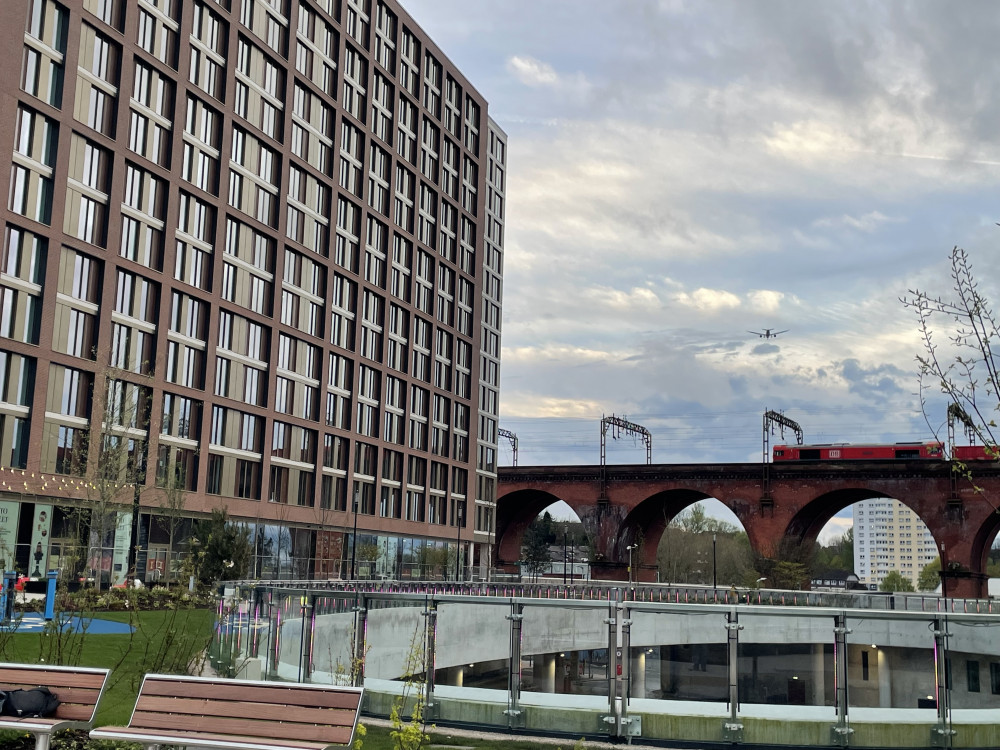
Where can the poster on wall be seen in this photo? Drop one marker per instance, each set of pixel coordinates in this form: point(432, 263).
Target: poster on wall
point(119, 561)
point(8, 533)
point(39, 559)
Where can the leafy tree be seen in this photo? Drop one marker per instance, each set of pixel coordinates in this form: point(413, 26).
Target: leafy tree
point(894, 581)
point(547, 527)
point(929, 578)
point(792, 565)
point(839, 554)
point(535, 551)
point(221, 549)
point(686, 554)
point(787, 574)
point(695, 520)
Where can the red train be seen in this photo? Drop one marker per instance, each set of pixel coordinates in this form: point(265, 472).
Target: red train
point(928, 449)
point(925, 450)
point(973, 453)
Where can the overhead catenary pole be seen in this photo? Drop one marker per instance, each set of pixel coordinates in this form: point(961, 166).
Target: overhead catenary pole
point(772, 420)
point(619, 426)
point(512, 437)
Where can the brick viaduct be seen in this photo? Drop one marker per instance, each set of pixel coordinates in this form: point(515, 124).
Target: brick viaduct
point(776, 503)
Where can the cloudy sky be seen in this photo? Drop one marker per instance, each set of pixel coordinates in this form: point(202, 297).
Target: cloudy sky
point(681, 173)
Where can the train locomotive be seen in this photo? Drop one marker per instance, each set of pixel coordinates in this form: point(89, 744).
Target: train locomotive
point(932, 450)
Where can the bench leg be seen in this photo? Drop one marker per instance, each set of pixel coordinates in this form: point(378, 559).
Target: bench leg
point(42, 741)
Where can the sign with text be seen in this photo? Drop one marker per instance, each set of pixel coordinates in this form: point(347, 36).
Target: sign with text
point(9, 514)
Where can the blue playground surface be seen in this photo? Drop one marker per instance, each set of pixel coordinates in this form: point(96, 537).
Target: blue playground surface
point(35, 623)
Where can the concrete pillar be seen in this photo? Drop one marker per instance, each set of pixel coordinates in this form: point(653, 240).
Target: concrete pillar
point(459, 676)
point(545, 672)
point(818, 676)
point(637, 674)
point(884, 679)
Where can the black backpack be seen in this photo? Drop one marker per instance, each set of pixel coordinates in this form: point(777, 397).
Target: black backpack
point(37, 701)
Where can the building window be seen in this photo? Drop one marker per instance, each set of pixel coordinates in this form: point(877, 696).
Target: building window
point(972, 675)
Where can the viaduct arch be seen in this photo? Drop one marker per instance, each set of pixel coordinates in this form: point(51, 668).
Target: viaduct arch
point(789, 504)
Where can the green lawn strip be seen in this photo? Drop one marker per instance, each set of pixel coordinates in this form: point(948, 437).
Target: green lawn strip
point(164, 641)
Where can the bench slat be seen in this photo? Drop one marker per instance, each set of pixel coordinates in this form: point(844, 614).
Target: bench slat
point(206, 739)
point(203, 707)
point(221, 690)
point(77, 688)
point(239, 714)
point(66, 678)
point(271, 729)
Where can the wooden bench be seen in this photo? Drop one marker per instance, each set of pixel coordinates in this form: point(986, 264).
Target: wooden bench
point(77, 688)
point(245, 714)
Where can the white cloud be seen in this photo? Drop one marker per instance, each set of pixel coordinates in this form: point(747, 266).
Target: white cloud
point(709, 300)
point(532, 72)
point(765, 300)
point(532, 405)
point(867, 223)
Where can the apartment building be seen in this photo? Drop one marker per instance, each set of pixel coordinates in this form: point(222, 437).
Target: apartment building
point(889, 536)
point(253, 260)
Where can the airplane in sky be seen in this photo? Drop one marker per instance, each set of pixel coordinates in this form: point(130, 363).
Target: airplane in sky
point(768, 333)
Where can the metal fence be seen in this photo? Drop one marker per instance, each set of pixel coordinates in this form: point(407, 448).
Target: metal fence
point(622, 662)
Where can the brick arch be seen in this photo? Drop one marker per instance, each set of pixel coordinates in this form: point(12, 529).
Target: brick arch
point(984, 539)
point(514, 515)
point(809, 521)
point(655, 513)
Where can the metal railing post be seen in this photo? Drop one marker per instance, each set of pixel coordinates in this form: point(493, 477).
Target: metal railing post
point(360, 639)
point(732, 729)
point(942, 734)
point(614, 668)
point(273, 637)
point(841, 731)
point(628, 726)
point(515, 717)
point(305, 639)
point(430, 613)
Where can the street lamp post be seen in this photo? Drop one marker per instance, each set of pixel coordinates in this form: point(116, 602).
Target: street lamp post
point(354, 538)
point(564, 555)
point(458, 549)
point(715, 579)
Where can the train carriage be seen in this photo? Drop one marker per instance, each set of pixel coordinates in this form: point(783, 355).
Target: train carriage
point(928, 449)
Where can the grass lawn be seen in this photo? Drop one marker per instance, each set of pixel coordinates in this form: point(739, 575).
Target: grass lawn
point(163, 641)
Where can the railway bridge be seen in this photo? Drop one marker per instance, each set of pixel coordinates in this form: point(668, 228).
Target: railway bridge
point(786, 503)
